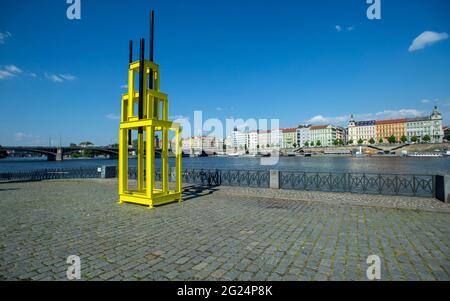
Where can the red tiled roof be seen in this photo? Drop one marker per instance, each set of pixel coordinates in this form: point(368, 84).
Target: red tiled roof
point(318, 127)
point(390, 121)
point(290, 130)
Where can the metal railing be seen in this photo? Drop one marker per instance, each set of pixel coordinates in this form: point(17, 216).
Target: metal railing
point(216, 177)
point(50, 174)
point(382, 184)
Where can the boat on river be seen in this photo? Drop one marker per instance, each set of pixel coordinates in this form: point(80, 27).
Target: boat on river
point(426, 154)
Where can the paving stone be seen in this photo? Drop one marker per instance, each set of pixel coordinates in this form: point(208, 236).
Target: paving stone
point(233, 233)
point(200, 266)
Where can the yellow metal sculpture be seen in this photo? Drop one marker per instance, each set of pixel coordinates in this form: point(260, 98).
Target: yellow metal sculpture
point(152, 117)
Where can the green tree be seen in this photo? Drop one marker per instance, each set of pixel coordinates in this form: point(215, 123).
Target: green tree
point(318, 143)
point(294, 145)
point(86, 143)
point(335, 142)
point(350, 141)
point(403, 139)
point(306, 144)
point(381, 141)
point(360, 141)
point(312, 143)
point(73, 145)
point(340, 142)
point(414, 139)
point(372, 141)
point(392, 139)
point(426, 138)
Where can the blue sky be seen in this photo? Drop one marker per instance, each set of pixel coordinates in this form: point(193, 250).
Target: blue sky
point(294, 60)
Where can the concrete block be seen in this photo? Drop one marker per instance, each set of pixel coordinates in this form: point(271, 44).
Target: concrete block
point(442, 188)
point(108, 172)
point(274, 179)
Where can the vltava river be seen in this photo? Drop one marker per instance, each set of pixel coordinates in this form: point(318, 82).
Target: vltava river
point(390, 165)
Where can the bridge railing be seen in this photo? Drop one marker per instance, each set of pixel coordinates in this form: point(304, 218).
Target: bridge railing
point(50, 174)
point(364, 183)
point(382, 184)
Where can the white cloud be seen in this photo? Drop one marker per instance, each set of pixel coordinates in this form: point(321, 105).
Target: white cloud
point(13, 69)
point(54, 78)
point(112, 116)
point(3, 36)
point(9, 71)
point(339, 28)
point(320, 119)
point(25, 138)
point(5, 74)
point(435, 101)
point(68, 77)
point(20, 136)
point(386, 114)
point(124, 87)
point(60, 78)
point(399, 113)
point(427, 38)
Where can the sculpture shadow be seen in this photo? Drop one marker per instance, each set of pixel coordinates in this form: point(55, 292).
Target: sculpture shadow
point(198, 190)
point(8, 189)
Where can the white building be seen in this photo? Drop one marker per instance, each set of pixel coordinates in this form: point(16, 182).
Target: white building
point(303, 135)
point(361, 130)
point(264, 139)
point(276, 138)
point(238, 140)
point(326, 134)
point(253, 141)
point(199, 143)
point(426, 126)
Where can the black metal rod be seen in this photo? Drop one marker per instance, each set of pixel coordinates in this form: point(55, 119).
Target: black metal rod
point(152, 35)
point(130, 60)
point(152, 39)
point(130, 56)
point(141, 82)
point(141, 79)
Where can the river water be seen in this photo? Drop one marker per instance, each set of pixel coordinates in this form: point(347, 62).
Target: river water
point(388, 165)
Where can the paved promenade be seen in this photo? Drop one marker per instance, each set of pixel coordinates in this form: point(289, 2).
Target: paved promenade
point(218, 234)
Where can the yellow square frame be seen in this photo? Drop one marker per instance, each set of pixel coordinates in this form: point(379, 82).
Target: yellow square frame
point(154, 119)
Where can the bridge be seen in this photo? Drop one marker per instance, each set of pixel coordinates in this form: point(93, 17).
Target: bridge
point(55, 153)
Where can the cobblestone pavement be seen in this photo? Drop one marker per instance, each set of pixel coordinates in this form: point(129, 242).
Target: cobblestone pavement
point(215, 234)
point(344, 198)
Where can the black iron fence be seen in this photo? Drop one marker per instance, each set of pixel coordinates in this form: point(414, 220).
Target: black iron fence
point(384, 184)
point(215, 177)
point(50, 174)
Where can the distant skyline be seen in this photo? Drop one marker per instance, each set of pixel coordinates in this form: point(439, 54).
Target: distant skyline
point(298, 61)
